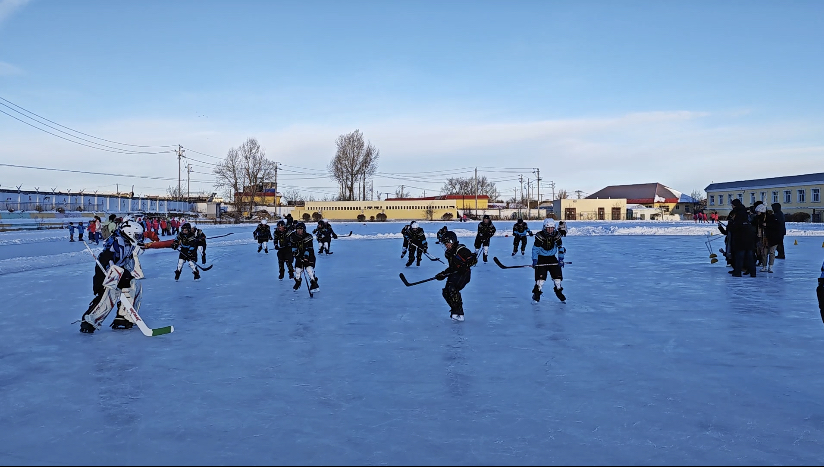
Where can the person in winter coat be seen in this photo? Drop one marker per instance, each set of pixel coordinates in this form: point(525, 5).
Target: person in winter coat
point(562, 228)
point(92, 228)
point(284, 249)
point(772, 236)
point(819, 291)
point(485, 232)
point(324, 234)
point(417, 243)
point(187, 243)
point(520, 231)
point(304, 255)
point(263, 234)
point(457, 274)
point(80, 228)
point(779, 215)
point(547, 260)
point(440, 233)
point(405, 235)
point(742, 241)
point(71, 231)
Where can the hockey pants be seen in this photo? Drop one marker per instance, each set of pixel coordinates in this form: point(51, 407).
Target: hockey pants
point(452, 290)
point(519, 239)
point(553, 270)
point(285, 257)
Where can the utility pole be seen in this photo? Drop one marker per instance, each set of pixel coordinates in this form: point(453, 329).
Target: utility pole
point(476, 191)
point(277, 205)
point(552, 184)
point(179, 156)
point(538, 182)
point(528, 201)
point(521, 180)
point(578, 192)
point(188, 183)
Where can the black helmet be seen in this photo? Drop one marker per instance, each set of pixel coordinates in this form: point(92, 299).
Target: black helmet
point(186, 226)
point(300, 225)
point(281, 224)
point(449, 237)
point(486, 216)
point(520, 221)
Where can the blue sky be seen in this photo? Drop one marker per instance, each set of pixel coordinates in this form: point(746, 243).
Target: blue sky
point(592, 93)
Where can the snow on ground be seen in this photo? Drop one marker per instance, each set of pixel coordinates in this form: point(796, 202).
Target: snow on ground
point(658, 356)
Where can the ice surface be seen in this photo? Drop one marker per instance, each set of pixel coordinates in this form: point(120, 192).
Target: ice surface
point(658, 356)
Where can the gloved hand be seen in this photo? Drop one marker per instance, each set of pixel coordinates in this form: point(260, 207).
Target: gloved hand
point(335, 236)
point(534, 262)
point(440, 276)
point(403, 253)
point(203, 257)
point(531, 234)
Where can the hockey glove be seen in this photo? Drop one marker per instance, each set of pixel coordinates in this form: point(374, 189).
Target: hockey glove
point(440, 276)
point(335, 236)
point(403, 253)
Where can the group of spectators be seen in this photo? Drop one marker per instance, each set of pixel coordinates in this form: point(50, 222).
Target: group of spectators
point(153, 227)
point(702, 217)
point(754, 237)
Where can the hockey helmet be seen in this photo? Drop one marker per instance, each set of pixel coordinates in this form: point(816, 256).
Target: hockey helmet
point(549, 223)
point(486, 218)
point(520, 221)
point(413, 225)
point(281, 224)
point(186, 226)
point(131, 231)
point(449, 237)
point(761, 208)
point(300, 225)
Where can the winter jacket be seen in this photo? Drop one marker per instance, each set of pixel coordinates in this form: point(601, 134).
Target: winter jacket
point(459, 259)
point(485, 231)
point(263, 233)
point(302, 249)
point(546, 244)
point(417, 238)
point(779, 215)
point(521, 230)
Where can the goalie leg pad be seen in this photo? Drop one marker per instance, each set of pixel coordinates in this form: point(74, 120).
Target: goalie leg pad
point(100, 307)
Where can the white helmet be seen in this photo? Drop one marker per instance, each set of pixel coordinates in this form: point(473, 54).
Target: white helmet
point(549, 223)
point(263, 221)
point(131, 231)
point(413, 225)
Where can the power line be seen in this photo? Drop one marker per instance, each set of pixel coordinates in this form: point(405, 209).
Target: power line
point(71, 129)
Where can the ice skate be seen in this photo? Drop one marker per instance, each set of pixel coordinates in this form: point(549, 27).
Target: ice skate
point(536, 293)
point(196, 274)
point(85, 327)
point(177, 275)
point(313, 285)
point(297, 284)
point(560, 295)
point(121, 322)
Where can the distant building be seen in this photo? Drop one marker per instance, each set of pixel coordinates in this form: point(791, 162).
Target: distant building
point(428, 208)
point(795, 193)
point(665, 200)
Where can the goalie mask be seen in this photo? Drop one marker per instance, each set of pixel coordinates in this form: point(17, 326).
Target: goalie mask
point(131, 231)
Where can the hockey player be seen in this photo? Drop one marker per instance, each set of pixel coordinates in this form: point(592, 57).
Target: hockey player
point(520, 231)
point(562, 228)
point(819, 291)
point(187, 242)
point(304, 254)
point(119, 257)
point(200, 240)
point(324, 234)
point(405, 234)
point(284, 249)
point(458, 273)
point(439, 234)
point(485, 231)
point(548, 257)
point(417, 243)
point(263, 234)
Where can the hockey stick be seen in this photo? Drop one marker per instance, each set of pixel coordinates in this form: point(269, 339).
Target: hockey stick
point(410, 284)
point(425, 253)
point(144, 328)
point(502, 266)
point(218, 236)
point(305, 275)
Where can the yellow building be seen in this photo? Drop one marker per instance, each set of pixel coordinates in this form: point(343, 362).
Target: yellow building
point(590, 209)
point(431, 208)
point(795, 194)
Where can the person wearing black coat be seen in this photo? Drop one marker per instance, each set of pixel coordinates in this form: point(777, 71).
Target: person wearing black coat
point(779, 215)
point(742, 240)
point(263, 233)
point(772, 236)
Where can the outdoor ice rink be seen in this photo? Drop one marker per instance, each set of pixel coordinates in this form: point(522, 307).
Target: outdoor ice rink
point(658, 356)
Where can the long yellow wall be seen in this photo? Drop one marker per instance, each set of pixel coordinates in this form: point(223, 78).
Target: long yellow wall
point(394, 210)
point(587, 209)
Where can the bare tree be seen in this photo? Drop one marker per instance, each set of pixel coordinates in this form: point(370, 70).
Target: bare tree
point(466, 187)
point(245, 171)
point(355, 161)
point(401, 193)
point(174, 193)
point(699, 200)
point(562, 194)
point(293, 196)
